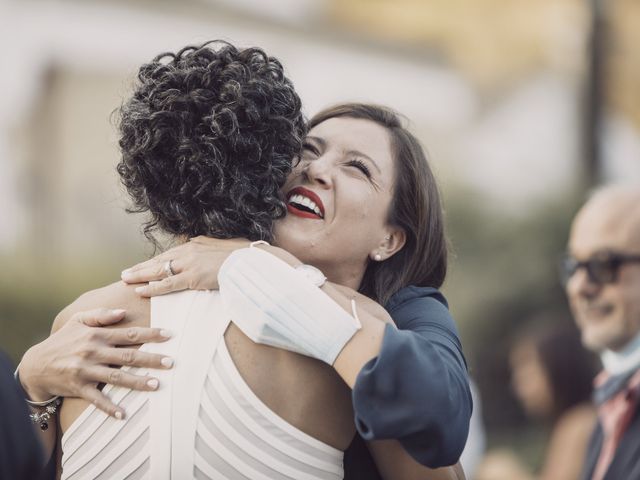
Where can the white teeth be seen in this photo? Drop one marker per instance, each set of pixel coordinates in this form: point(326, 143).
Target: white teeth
point(307, 202)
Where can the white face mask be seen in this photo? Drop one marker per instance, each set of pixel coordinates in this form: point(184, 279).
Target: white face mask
point(625, 360)
point(275, 304)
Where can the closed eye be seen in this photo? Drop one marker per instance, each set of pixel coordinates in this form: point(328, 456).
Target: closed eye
point(360, 165)
point(309, 147)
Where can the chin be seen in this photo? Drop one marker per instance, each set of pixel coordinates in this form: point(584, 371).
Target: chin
point(592, 344)
point(597, 340)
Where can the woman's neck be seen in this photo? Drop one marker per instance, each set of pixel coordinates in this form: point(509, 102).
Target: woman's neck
point(345, 275)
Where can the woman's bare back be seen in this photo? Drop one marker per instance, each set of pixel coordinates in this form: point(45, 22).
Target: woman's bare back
point(305, 392)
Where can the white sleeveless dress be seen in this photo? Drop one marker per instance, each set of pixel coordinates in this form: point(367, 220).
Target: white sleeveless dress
point(204, 421)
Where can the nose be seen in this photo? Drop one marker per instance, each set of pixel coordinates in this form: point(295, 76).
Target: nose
point(581, 286)
point(319, 172)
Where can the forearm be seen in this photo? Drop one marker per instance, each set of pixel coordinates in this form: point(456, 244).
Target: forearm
point(363, 347)
point(29, 389)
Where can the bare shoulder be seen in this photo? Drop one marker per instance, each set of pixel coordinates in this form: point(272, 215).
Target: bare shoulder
point(115, 295)
point(577, 422)
point(364, 303)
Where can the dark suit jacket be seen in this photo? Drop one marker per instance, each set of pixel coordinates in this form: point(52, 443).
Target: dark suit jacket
point(626, 461)
point(21, 456)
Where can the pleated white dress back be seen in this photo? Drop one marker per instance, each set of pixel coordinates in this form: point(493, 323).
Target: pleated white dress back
point(204, 421)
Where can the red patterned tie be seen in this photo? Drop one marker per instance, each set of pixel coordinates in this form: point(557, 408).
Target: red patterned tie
point(615, 414)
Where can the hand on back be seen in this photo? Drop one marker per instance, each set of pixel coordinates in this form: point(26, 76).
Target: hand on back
point(80, 353)
point(193, 265)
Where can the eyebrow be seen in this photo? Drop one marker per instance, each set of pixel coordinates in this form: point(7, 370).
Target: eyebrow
point(318, 140)
point(323, 144)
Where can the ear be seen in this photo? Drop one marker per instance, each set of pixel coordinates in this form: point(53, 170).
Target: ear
point(391, 243)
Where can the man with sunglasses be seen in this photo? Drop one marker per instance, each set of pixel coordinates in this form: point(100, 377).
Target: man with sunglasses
point(602, 273)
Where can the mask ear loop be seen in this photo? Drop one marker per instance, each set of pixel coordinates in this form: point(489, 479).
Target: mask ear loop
point(355, 314)
point(259, 242)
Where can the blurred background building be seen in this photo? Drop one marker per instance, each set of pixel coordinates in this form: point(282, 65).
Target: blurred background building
point(522, 105)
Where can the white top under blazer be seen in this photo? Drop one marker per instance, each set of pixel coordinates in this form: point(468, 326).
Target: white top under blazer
point(203, 422)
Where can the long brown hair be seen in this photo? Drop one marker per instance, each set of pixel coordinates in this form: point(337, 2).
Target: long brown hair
point(568, 366)
point(415, 207)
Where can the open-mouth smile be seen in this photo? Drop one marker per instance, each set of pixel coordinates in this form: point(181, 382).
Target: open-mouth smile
point(304, 203)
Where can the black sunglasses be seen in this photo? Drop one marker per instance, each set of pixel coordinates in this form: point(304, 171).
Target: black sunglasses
point(601, 268)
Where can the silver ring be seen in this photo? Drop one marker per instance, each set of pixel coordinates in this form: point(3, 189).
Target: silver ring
point(167, 269)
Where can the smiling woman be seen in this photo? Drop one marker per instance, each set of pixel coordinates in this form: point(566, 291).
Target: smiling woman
point(363, 208)
point(387, 167)
point(353, 193)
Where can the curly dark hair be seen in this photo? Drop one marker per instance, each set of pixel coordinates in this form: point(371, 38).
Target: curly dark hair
point(207, 139)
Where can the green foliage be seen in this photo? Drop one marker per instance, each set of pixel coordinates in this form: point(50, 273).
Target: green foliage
point(32, 293)
point(503, 271)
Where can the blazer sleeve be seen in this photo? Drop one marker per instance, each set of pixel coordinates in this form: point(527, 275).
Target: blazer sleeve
point(20, 452)
point(417, 389)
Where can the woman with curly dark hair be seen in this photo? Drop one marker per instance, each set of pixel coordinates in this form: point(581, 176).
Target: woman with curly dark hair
point(357, 202)
point(207, 140)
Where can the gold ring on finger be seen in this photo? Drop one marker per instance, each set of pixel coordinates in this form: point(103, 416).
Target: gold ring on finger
point(167, 269)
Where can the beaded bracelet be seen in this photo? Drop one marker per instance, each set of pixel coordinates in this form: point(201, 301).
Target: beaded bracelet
point(42, 418)
point(50, 407)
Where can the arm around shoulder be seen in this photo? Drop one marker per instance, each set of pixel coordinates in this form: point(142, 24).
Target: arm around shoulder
point(409, 384)
point(417, 390)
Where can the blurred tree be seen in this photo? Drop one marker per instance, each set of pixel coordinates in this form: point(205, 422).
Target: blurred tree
point(503, 270)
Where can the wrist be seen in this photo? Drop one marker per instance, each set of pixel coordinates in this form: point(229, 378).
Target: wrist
point(26, 377)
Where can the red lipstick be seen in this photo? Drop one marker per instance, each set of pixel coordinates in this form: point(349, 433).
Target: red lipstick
point(311, 196)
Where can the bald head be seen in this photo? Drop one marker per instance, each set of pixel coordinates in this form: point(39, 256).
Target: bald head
point(605, 296)
point(612, 209)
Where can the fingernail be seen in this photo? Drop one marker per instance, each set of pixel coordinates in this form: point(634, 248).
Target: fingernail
point(139, 289)
point(119, 415)
point(152, 383)
point(167, 362)
point(165, 333)
point(118, 311)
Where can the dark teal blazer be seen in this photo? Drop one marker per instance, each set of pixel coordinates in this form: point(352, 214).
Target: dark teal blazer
point(416, 390)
